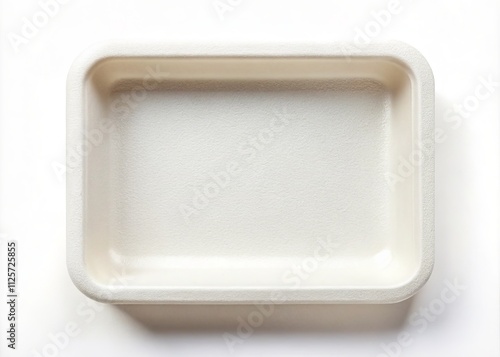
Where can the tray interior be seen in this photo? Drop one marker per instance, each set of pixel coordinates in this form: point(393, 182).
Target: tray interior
point(249, 172)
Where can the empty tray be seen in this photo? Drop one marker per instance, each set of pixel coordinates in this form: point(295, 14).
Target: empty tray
point(250, 173)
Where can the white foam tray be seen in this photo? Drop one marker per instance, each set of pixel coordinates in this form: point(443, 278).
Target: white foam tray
point(250, 173)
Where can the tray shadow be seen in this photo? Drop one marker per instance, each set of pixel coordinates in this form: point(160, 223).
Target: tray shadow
point(279, 318)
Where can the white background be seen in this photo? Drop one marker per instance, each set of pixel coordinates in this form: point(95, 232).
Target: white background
point(460, 39)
